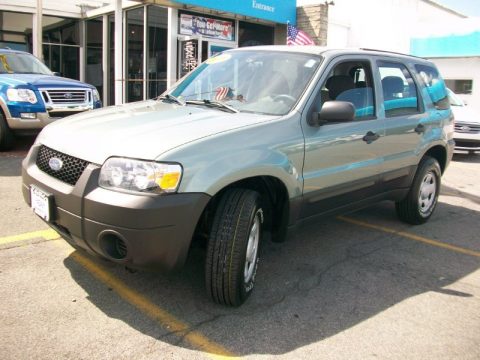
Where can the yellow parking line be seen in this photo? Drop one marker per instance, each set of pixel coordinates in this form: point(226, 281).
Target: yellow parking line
point(140, 301)
point(153, 311)
point(45, 234)
point(412, 237)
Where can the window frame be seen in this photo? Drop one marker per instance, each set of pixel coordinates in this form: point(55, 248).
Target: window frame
point(413, 76)
point(364, 60)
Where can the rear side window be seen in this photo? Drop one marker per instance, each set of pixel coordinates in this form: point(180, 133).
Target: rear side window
point(399, 89)
point(435, 86)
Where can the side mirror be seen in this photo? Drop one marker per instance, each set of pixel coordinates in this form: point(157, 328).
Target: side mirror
point(56, 73)
point(333, 111)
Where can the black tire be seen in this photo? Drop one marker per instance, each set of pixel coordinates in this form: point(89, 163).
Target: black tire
point(227, 280)
point(422, 198)
point(6, 136)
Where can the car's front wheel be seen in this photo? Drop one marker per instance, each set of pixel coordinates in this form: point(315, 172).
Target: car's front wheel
point(422, 198)
point(232, 252)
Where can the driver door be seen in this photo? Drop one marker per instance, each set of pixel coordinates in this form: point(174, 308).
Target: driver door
point(343, 159)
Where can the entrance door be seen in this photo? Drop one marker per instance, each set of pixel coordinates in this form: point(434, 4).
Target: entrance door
point(189, 51)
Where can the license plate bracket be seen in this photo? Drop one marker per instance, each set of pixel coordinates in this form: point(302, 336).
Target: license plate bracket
point(41, 202)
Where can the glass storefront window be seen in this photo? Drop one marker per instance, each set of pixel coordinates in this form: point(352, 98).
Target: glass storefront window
point(16, 30)
point(254, 34)
point(111, 59)
point(62, 59)
point(134, 54)
point(157, 50)
point(61, 45)
point(94, 52)
point(57, 30)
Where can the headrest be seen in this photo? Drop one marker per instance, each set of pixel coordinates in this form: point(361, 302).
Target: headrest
point(392, 85)
point(337, 84)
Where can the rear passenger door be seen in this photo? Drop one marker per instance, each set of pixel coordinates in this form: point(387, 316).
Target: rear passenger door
point(343, 159)
point(405, 120)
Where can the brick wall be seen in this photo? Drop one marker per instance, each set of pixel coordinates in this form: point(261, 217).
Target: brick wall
point(313, 19)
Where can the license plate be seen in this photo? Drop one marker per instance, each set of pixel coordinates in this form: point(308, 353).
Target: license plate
point(40, 202)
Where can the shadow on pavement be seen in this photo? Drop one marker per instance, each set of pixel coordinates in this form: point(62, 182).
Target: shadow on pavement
point(329, 278)
point(11, 161)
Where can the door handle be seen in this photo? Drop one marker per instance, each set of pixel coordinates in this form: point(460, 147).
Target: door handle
point(420, 129)
point(370, 137)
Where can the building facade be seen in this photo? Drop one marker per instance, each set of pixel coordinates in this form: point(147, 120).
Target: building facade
point(159, 40)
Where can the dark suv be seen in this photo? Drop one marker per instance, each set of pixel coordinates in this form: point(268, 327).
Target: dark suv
point(251, 143)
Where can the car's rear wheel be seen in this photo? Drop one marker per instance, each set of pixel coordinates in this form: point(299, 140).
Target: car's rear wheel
point(232, 252)
point(6, 136)
point(422, 198)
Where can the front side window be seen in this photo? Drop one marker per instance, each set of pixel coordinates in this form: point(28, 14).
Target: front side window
point(250, 81)
point(435, 86)
point(399, 89)
point(352, 82)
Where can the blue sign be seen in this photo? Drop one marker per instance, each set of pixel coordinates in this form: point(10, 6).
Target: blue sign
point(280, 11)
point(447, 46)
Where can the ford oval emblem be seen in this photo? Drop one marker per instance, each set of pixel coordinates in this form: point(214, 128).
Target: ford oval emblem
point(68, 95)
point(465, 128)
point(55, 164)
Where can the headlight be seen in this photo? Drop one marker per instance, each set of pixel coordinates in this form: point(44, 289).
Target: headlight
point(96, 95)
point(24, 95)
point(140, 176)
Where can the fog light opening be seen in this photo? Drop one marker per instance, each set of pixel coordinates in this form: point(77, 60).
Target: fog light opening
point(113, 246)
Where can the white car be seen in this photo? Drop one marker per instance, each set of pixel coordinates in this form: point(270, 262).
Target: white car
point(467, 125)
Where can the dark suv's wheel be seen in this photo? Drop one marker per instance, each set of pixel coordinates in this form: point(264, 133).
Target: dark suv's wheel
point(232, 252)
point(6, 136)
point(422, 198)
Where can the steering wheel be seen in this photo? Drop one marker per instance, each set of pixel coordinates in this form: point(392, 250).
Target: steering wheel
point(285, 98)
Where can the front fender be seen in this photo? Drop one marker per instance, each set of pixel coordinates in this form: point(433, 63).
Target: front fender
point(231, 168)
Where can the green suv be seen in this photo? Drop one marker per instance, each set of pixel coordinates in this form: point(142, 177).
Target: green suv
point(248, 145)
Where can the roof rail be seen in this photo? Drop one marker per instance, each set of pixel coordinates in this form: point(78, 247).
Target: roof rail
point(391, 52)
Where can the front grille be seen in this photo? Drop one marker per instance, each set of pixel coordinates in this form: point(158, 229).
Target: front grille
point(71, 170)
point(63, 96)
point(467, 144)
point(467, 128)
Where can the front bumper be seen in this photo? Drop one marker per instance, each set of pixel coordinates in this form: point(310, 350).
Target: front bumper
point(466, 141)
point(155, 230)
point(42, 119)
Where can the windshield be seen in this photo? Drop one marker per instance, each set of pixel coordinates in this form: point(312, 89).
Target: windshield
point(250, 81)
point(19, 63)
point(454, 99)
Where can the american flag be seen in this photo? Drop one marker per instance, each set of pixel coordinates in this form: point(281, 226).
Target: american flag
point(222, 93)
point(297, 37)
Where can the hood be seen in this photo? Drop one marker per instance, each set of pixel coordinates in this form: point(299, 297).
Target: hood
point(40, 81)
point(142, 130)
point(465, 114)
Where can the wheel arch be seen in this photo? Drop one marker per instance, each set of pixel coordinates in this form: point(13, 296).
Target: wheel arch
point(275, 204)
point(439, 153)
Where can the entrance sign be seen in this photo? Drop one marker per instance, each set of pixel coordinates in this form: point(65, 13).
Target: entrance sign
point(281, 11)
point(213, 28)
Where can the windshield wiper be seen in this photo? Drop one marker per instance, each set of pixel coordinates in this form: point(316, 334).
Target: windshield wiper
point(171, 98)
point(212, 103)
